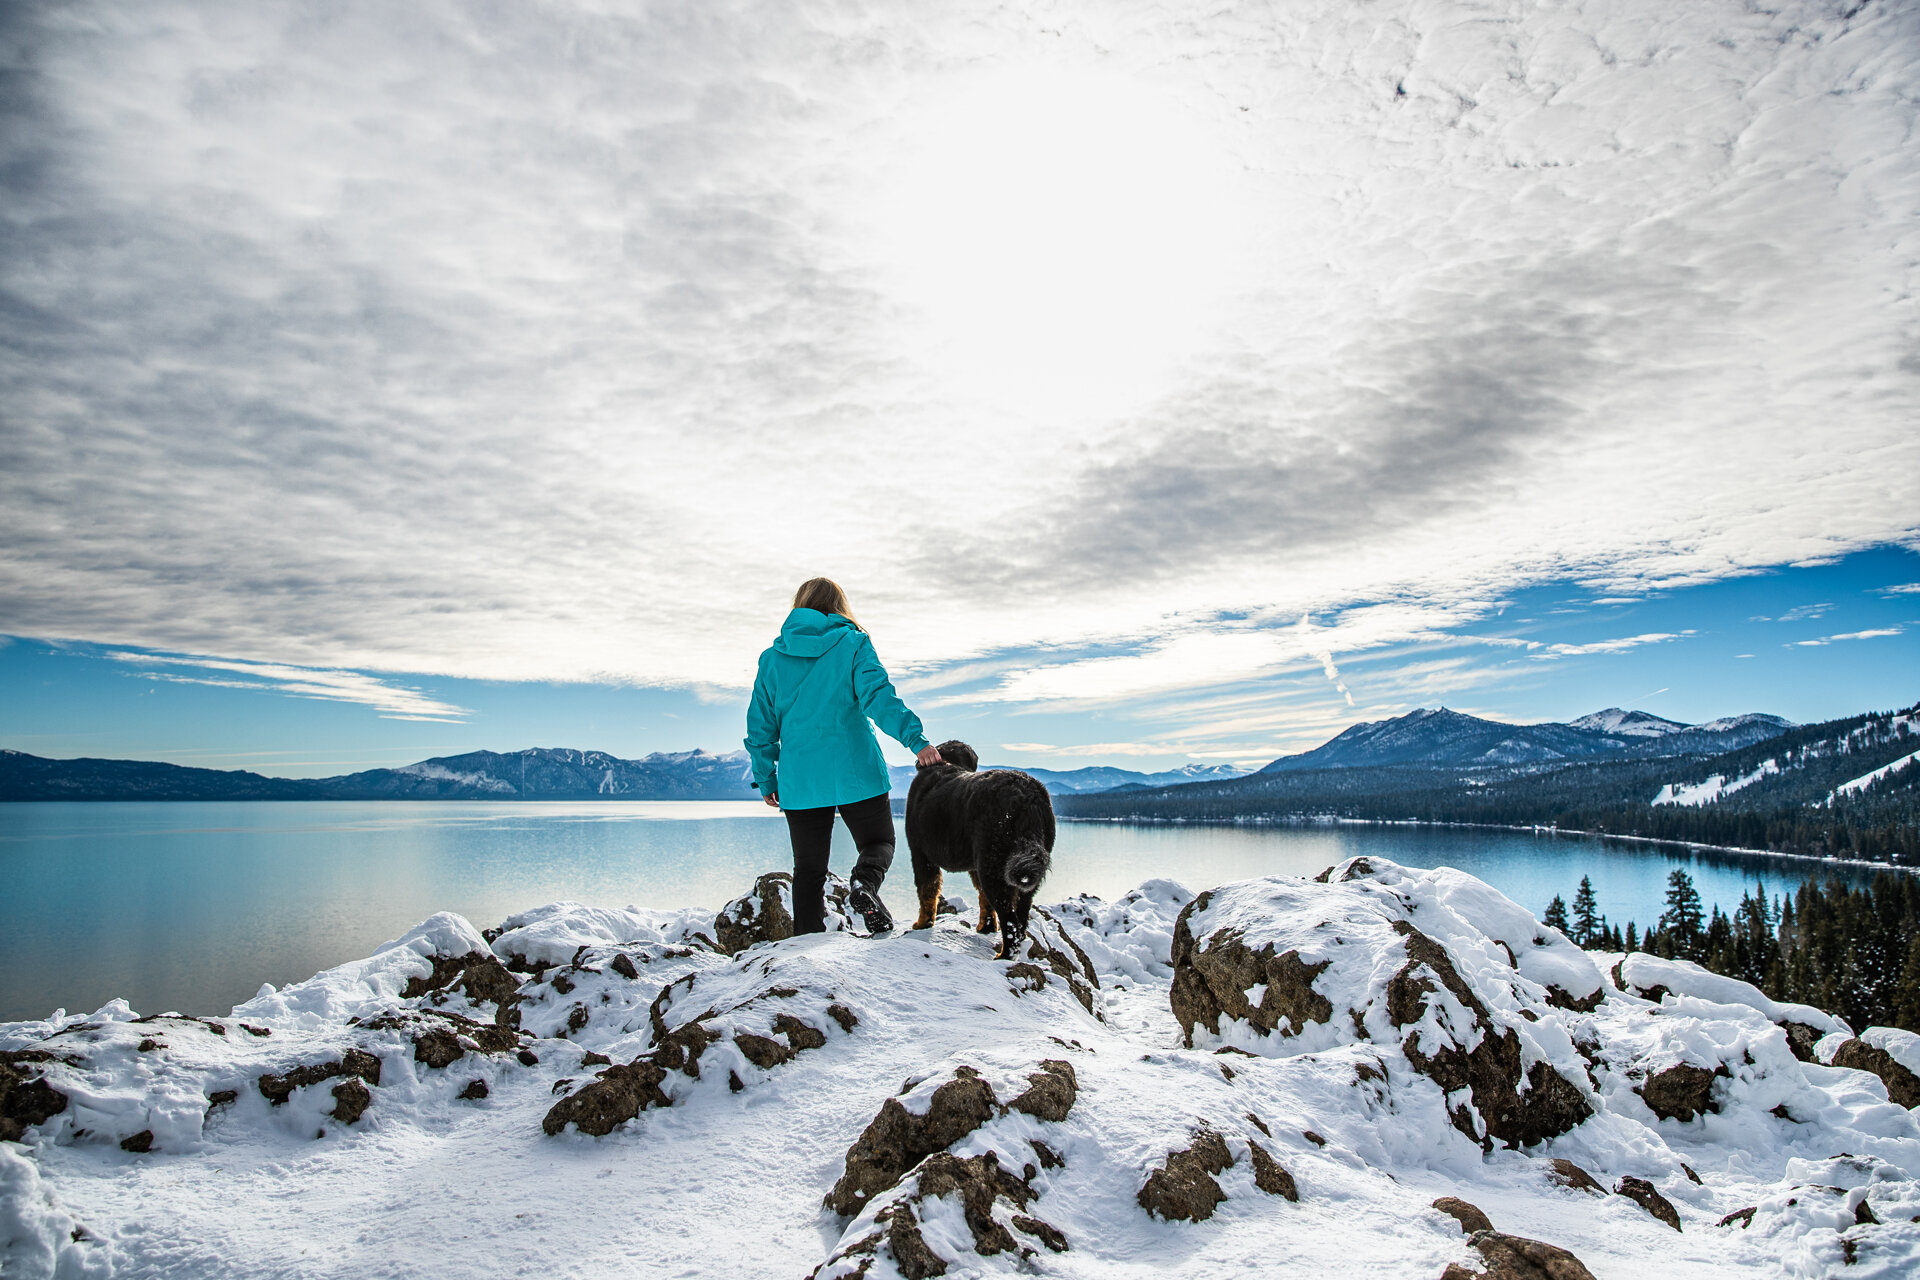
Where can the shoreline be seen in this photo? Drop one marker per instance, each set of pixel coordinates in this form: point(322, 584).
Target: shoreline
point(1538, 829)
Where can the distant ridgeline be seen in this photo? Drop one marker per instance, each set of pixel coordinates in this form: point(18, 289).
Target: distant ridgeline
point(540, 773)
point(1847, 788)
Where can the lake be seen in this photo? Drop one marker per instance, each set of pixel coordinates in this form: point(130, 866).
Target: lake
point(191, 906)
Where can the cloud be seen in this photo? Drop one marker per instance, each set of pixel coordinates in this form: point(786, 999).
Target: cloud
point(1874, 634)
point(560, 342)
point(1801, 613)
point(1617, 645)
point(1322, 652)
point(1904, 589)
point(393, 702)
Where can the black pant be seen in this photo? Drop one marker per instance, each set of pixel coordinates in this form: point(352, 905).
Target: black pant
point(811, 830)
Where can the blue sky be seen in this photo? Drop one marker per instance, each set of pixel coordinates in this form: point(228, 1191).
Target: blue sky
point(1810, 643)
point(1162, 380)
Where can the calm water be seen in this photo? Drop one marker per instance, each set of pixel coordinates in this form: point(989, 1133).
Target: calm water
point(190, 907)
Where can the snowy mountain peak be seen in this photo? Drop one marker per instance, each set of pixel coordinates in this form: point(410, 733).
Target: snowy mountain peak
point(1752, 719)
point(1627, 724)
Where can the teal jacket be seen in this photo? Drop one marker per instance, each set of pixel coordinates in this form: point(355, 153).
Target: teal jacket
point(807, 725)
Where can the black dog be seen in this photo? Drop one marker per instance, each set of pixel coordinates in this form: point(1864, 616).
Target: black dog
point(997, 826)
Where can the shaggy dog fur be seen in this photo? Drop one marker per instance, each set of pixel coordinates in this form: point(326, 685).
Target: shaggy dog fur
point(996, 826)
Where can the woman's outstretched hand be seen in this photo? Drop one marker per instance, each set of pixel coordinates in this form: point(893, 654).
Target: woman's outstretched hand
point(928, 756)
point(772, 798)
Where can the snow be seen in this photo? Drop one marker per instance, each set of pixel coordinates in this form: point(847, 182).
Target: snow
point(728, 1179)
point(1902, 1046)
point(552, 934)
point(1866, 780)
point(1630, 724)
point(1698, 793)
point(1687, 981)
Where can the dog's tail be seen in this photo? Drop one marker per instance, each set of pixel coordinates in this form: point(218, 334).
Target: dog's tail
point(1028, 865)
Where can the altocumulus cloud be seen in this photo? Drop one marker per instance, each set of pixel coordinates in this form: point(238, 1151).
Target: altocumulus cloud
point(558, 342)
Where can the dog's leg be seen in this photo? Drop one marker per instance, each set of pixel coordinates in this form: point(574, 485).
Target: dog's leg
point(1013, 925)
point(987, 924)
point(929, 900)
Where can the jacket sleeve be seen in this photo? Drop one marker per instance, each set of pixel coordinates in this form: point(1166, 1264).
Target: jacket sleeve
point(763, 734)
point(880, 703)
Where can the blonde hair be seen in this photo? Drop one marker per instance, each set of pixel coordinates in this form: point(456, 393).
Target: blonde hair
point(825, 595)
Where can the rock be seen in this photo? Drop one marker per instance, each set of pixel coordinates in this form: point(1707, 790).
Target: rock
point(843, 1015)
point(799, 1035)
point(221, 1097)
point(139, 1143)
point(1903, 1086)
point(896, 1140)
point(1801, 1038)
point(1742, 1216)
point(26, 1099)
point(1211, 981)
point(1680, 1092)
point(764, 915)
point(1025, 977)
point(1050, 1091)
point(1049, 945)
point(1505, 1257)
point(1045, 1232)
point(439, 1048)
point(480, 975)
point(977, 1181)
point(1569, 1174)
point(1692, 1177)
point(1559, 998)
point(1490, 1070)
point(475, 1090)
point(762, 1051)
point(623, 965)
point(1274, 956)
point(1269, 1176)
point(1183, 1187)
point(1469, 1216)
point(1642, 1193)
point(978, 1184)
point(351, 1099)
point(276, 1089)
point(619, 1094)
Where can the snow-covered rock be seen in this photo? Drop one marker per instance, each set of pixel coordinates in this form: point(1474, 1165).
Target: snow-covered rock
point(1655, 979)
point(1887, 1052)
point(1454, 975)
point(1361, 1048)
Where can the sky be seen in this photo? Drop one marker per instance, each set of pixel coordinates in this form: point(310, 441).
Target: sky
point(1163, 381)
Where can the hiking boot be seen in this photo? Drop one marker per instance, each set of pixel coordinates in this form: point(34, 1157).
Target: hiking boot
point(867, 904)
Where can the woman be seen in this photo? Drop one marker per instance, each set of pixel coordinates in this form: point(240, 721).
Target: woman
point(813, 750)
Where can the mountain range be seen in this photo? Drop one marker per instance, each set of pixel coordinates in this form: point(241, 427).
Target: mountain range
point(538, 773)
point(1449, 738)
point(1440, 738)
point(1845, 788)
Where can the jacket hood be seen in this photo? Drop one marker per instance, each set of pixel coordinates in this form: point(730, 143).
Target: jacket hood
point(808, 633)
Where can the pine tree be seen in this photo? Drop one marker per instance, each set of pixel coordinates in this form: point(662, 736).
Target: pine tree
point(1633, 942)
point(1586, 919)
point(1683, 915)
point(1556, 917)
